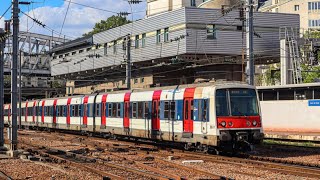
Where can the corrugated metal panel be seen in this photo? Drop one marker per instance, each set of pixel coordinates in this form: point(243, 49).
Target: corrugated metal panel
point(228, 42)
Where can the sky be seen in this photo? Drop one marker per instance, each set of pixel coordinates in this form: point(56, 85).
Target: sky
point(79, 20)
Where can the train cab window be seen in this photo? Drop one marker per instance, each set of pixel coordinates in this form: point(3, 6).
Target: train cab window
point(134, 110)
point(243, 102)
point(172, 110)
point(140, 110)
point(98, 110)
point(166, 110)
point(221, 103)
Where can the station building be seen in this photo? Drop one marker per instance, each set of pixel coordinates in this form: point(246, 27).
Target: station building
point(181, 46)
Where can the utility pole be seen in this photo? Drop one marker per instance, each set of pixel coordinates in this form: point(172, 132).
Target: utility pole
point(20, 89)
point(14, 65)
point(2, 44)
point(249, 32)
point(128, 67)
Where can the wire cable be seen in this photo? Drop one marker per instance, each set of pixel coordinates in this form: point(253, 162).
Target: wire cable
point(65, 17)
point(5, 12)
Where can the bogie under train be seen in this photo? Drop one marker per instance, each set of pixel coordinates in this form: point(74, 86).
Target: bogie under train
point(216, 116)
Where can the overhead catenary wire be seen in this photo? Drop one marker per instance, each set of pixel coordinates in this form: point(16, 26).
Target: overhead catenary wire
point(65, 17)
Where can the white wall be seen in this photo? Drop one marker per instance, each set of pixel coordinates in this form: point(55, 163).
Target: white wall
point(290, 116)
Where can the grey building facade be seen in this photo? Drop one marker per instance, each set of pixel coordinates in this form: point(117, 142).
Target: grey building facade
point(196, 35)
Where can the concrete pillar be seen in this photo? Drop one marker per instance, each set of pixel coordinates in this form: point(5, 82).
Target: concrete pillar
point(285, 65)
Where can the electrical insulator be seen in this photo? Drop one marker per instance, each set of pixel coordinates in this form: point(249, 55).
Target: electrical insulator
point(7, 26)
point(134, 1)
point(222, 10)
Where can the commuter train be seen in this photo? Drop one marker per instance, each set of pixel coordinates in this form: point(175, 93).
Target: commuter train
point(202, 116)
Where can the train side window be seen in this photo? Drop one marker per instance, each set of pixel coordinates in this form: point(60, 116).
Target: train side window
point(114, 109)
point(191, 109)
point(140, 110)
point(146, 110)
point(119, 109)
point(110, 109)
point(166, 110)
point(134, 110)
point(97, 110)
point(159, 109)
point(172, 110)
point(205, 110)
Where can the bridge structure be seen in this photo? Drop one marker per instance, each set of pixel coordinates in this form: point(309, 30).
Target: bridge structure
point(34, 48)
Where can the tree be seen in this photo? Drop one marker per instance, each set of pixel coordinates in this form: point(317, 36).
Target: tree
point(310, 73)
point(111, 22)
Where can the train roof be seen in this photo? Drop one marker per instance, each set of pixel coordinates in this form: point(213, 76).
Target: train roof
point(289, 86)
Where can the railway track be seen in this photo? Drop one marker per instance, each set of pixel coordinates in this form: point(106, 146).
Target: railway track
point(151, 169)
point(147, 151)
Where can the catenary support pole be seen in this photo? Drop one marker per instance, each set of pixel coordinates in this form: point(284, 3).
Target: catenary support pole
point(14, 65)
point(2, 44)
point(20, 90)
point(128, 68)
point(249, 32)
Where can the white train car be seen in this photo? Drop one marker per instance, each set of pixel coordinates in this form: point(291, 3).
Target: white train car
point(199, 116)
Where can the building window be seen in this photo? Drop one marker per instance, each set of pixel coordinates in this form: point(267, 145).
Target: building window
point(211, 31)
point(309, 6)
point(114, 47)
point(193, 3)
point(296, 7)
point(143, 43)
point(158, 40)
point(135, 80)
point(136, 42)
point(142, 80)
point(123, 82)
point(105, 49)
point(166, 34)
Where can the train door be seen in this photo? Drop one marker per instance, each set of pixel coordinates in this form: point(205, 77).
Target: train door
point(26, 113)
point(204, 114)
point(85, 112)
point(155, 119)
point(42, 112)
point(68, 112)
point(54, 113)
point(126, 117)
point(188, 106)
point(104, 112)
point(34, 111)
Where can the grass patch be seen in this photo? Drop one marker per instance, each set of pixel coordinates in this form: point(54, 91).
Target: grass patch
point(289, 143)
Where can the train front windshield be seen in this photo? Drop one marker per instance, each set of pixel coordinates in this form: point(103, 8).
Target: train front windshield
point(236, 102)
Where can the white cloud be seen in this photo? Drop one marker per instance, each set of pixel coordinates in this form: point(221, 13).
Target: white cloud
point(79, 19)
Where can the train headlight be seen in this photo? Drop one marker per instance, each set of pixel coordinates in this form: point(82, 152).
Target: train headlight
point(223, 123)
point(254, 123)
point(248, 123)
point(230, 124)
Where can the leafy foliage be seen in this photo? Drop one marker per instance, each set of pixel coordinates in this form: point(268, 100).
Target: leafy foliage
point(111, 22)
point(272, 75)
point(310, 73)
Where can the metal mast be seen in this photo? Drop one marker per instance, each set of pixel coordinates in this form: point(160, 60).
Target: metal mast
point(14, 93)
point(128, 67)
point(2, 44)
point(249, 32)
